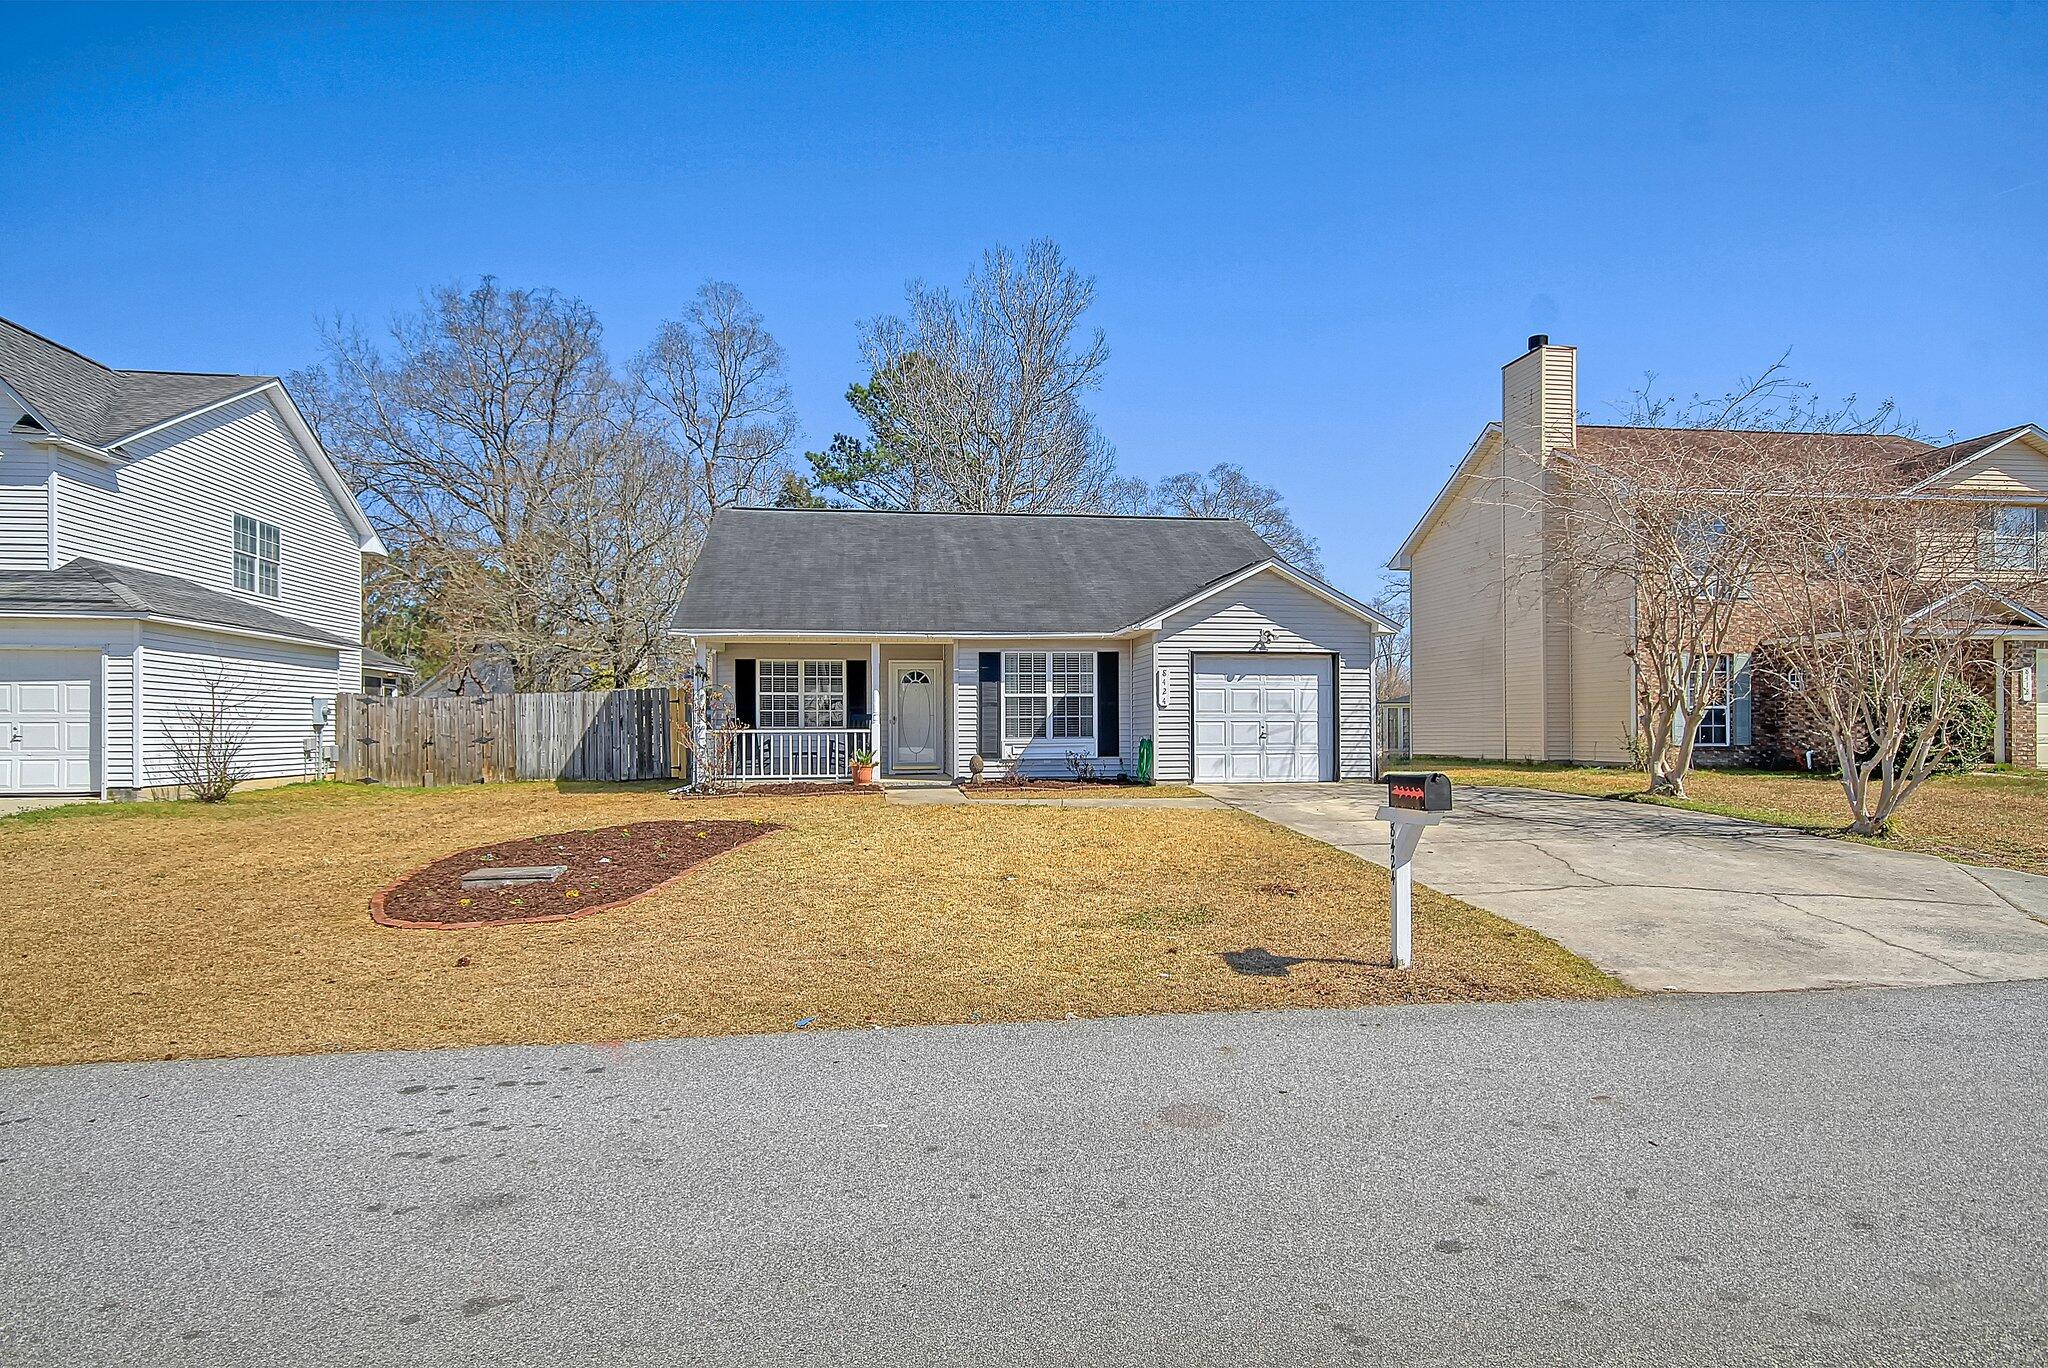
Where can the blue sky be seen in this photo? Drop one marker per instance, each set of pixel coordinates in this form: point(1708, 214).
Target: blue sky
point(1318, 232)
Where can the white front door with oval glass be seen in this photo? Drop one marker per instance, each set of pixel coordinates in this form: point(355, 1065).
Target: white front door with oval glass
point(916, 716)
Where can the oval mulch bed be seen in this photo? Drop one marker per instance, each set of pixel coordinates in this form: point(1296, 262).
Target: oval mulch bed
point(606, 867)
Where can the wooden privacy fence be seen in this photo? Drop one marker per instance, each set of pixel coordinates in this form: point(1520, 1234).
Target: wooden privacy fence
point(618, 736)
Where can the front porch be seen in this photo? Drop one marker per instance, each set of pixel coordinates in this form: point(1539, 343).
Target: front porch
point(803, 709)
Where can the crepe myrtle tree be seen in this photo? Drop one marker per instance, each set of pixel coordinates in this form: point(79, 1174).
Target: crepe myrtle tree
point(1657, 534)
point(1876, 613)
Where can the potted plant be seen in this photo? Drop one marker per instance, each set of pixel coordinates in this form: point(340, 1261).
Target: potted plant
point(863, 767)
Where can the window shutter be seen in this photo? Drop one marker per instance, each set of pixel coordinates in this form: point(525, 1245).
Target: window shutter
point(857, 700)
point(991, 709)
point(743, 690)
point(1738, 700)
point(1108, 705)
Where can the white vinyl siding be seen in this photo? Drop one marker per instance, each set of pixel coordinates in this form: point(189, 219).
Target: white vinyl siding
point(258, 552)
point(271, 687)
point(1232, 622)
point(1045, 757)
point(24, 503)
point(169, 506)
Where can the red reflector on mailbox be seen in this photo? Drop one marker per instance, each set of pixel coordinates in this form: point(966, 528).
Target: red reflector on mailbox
point(1419, 792)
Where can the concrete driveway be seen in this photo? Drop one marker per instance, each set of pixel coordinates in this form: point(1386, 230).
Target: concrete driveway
point(1680, 900)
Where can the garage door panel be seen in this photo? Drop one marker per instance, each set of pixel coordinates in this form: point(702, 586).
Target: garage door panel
point(1261, 719)
point(47, 720)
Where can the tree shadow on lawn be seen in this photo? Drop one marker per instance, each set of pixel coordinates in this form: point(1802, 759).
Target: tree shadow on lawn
point(1255, 961)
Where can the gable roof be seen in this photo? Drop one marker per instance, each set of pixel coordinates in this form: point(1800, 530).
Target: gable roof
point(91, 588)
point(1940, 461)
point(74, 396)
point(813, 572)
point(1912, 462)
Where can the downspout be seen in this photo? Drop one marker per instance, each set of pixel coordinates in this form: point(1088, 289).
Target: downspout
point(135, 719)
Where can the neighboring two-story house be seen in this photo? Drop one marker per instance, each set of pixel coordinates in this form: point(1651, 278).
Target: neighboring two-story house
point(163, 533)
point(1503, 669)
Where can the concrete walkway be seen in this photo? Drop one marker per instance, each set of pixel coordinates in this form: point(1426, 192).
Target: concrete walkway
point(925, 794)
point(1840, 1179)
point(10, 806)
point(1666, 899)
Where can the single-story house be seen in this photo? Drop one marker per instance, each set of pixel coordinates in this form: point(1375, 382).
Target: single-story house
point(1041, 644)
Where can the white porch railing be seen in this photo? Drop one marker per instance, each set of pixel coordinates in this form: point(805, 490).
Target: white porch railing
point(793, 752)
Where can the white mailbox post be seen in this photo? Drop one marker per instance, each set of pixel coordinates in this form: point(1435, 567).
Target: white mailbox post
point(1414, 802)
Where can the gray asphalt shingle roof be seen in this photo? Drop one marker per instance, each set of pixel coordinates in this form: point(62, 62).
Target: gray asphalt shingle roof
point(811, 570)
point(98, 405)
point(102, 590)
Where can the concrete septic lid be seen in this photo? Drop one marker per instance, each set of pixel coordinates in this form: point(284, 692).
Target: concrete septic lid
point(495, 877)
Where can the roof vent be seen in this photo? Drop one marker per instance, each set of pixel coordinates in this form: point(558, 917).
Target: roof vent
point(1538, 340)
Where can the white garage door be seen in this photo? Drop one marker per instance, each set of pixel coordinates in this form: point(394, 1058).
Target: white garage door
point(46, 715)
point(1261, 719)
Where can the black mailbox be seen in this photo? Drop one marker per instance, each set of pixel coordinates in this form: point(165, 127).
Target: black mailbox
point(1419, 792)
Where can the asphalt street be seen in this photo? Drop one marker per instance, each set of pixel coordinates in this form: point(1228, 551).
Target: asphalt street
point(1825, 1177)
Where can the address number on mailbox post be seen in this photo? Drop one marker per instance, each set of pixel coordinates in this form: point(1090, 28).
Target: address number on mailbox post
point(1414, 801)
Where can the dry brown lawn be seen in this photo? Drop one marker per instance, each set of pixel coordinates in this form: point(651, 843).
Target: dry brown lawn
point(169, 929)
point(1989, 819)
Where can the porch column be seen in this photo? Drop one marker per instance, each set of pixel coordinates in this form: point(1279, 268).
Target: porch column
point(875, 698)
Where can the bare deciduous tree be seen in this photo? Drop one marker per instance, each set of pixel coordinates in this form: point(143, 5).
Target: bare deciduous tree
point(976, 397)
point(717, 376)
point(207, 734)
point(1225, 491)
point(522, 489)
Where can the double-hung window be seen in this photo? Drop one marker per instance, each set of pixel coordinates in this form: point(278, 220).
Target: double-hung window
point(1048, 694)
point(1714, 727)
point(256, 556)
point(2010, 538)
point(800, 693)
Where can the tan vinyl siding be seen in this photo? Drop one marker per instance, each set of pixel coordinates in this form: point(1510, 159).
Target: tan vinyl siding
point(1602, 682)
point(1230, 622)
point(2019, 468)
point(1455, 641)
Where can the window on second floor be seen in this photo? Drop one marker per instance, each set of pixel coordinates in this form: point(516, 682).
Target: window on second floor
point(2010, 538)
point(256, 556)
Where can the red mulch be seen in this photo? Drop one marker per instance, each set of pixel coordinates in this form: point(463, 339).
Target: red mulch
point(606, 867)
point(819, 790)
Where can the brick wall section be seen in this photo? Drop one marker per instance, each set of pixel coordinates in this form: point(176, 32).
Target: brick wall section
point(2021, 718)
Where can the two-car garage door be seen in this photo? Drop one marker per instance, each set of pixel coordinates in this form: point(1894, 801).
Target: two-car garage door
point(46, 720)
point(1262, 719)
